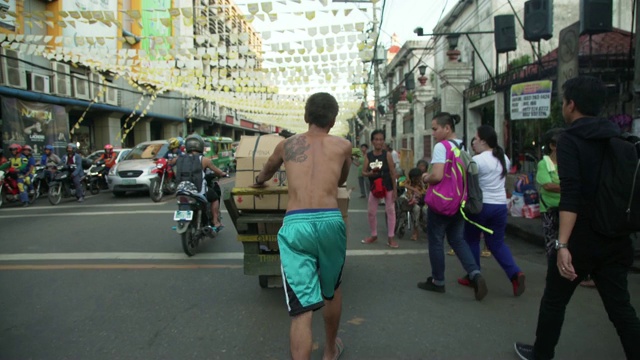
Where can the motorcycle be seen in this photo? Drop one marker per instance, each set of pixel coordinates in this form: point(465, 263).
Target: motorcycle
point(9, 190)
point(97, 177)
point(40, 181)
point(165, 182)
point(193, 216)
point(62, 185)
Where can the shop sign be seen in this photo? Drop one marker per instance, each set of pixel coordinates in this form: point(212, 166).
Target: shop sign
point(531, 100)
point(34, 124)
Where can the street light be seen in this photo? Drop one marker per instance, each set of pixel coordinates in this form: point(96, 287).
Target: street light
point(453, 41)
point(423, 70)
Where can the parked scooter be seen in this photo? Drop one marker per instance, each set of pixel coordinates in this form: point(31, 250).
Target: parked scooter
point(9, 191)
point(165, 182)
point(194, 216)
point(62, 185)
point(40, 181)
point(97, 177)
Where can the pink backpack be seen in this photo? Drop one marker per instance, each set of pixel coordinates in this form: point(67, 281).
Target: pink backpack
point(446, 196)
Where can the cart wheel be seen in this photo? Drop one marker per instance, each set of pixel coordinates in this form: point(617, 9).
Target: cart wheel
point(264, 281)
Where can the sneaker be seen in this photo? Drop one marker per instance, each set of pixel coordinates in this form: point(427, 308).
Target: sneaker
point(430, 286)
point(518, 284)
point(25, 204)
point(524, 351)
point(465, 281)
point(81, 199)
point(479, 287)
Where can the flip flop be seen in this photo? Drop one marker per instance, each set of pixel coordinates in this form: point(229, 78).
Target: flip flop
point(368, 240)
point(393, 245)
point(218, 228)
point(340, 347)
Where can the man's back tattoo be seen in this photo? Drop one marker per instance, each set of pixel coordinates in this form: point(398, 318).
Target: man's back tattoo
point(294, 149)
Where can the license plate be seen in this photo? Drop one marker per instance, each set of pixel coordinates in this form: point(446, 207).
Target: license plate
point(185, 215)
point(128, 181)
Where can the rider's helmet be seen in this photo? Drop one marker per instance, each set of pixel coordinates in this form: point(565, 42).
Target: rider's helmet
point(27, 147)
point(194, 143)
point(15, 147)
point(48, 147)
point(108, 148)
point(174, 143)
point(72, 146)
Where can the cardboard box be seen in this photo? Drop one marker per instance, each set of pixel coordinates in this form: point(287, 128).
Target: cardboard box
point(251, 155)
point(279, 202)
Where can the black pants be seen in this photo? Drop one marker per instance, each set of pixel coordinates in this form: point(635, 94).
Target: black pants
point(608, 261)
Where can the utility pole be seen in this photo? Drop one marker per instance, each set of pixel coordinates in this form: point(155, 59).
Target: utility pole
point(636, 80)
point(376, 77)
point(376, 71)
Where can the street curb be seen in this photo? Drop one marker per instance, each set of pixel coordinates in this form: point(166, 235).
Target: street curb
point(532, 238)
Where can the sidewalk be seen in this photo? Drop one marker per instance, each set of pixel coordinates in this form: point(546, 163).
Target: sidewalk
point(530, 230)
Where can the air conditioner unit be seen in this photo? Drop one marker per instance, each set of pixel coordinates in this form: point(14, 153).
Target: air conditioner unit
point(61, 79)
point(95, 87)
point(81, 87)
point(13, 73)
point(40, 83)
point(112, 94)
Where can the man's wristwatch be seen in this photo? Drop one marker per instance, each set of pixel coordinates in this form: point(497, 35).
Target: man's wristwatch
point(560, 245)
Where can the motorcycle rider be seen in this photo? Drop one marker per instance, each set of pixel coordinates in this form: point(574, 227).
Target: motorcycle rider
point(70, 159)
point(30, 172)
point(50, 160)
point(194, 146)
point(4, 163)
point(109, 158)
point(174, 151)
point(19, 162)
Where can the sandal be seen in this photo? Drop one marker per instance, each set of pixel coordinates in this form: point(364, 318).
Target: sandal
point(392, 244)
point(369, 240)
point(339, 347)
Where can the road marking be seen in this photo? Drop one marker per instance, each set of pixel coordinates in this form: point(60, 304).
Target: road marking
point(94, 213)
point(101, 213)
point(176, 256)
point(48, 207)
point(117, 267)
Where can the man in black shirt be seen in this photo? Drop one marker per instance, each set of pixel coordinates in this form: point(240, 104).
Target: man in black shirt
point(579, 251)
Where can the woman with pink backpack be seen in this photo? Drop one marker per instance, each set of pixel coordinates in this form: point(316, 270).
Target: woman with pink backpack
point(445, 194)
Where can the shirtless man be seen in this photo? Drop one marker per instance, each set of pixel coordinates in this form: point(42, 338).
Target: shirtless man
point(312, 239)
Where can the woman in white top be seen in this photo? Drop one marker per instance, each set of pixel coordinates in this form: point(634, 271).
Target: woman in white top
point(492, 170)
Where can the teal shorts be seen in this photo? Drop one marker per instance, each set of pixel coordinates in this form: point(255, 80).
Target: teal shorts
point(313, 247)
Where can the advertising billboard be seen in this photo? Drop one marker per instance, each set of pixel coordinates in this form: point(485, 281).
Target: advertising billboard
point(34, 124)
point(531, 100)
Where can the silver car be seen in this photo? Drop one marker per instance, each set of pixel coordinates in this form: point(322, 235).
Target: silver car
point(133, 173)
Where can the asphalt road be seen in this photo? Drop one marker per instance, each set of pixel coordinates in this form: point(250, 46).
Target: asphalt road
point(107, 279)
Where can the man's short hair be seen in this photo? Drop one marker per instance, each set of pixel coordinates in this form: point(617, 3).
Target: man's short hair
point(587, 93)
point(376, 132)
point(321, 109)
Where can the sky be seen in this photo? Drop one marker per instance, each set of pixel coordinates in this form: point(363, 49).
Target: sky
point(290, 30)
point(403, 16)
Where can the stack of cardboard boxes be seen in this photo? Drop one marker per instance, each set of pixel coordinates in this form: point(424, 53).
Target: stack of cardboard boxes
point(251, 155)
